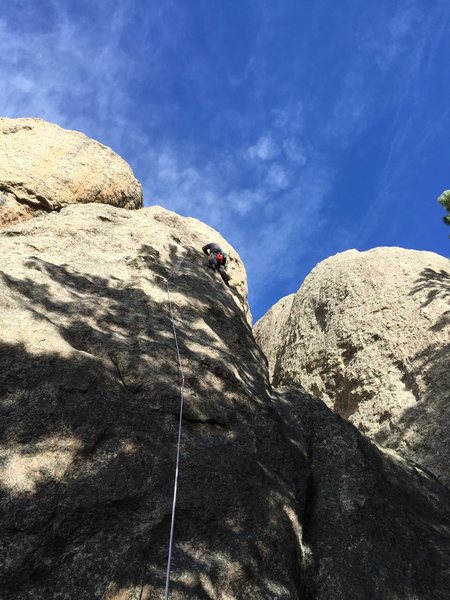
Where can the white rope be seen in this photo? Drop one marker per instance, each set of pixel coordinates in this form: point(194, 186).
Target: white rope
point(175, 487)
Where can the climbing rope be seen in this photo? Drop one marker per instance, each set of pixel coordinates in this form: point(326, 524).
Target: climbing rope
point(182, 385)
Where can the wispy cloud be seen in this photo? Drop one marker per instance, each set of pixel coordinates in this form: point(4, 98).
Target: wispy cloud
point(264, 149)
point(67, 73)
point(283, 198)
point(410, 41)
point(251, 138)
point(277, 177)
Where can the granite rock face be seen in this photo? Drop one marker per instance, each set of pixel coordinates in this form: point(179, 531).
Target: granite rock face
point(279, 498)
point(44, 168)
point(270, 330)
point(373, 525)
point(369, 334)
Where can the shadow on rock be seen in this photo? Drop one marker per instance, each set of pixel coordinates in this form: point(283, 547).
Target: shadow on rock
point(368, 517)
point(424, 427)
point(89, 418)
point(437, 285)
point(278, 497)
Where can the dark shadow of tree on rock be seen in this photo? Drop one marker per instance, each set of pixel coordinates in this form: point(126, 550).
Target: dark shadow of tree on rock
point(425, 426)
point(437, 285)
point(89, 414)
point(88, 424)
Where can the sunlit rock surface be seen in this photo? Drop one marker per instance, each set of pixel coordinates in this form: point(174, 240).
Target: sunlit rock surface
point(270, 330)
point(368, 332)
point(279, 498)
point(44, 167)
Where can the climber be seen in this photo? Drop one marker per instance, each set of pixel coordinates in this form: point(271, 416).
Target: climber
point(217, 260)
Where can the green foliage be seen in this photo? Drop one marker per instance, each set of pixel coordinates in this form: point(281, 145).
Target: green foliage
point(444, 199)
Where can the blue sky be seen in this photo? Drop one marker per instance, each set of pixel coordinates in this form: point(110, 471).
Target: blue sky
point(298, 129)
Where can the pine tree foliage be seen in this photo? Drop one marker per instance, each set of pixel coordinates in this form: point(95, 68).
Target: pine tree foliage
point(444, 199)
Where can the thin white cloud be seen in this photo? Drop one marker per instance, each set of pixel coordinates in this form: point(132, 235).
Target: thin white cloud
point(80, 81)
point(295, 152)
point(175, 180)
point(264, 149)
point(281, 243)
point(414, 33)
point(67, 75)
point(244, 201)
point(80, 77)
point(273, 175)
point(277, 177)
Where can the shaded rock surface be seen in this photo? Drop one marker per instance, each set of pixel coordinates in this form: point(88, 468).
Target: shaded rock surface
point(373, 524)
point(279, 498)
point(270, 330)
point(44, 168)
point(369, 334)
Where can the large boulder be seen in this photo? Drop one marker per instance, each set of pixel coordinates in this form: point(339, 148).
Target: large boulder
point(44, 168)
point(278, 497)
point(368, 332)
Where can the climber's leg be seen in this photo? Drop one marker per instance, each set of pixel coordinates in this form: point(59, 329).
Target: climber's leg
point(212, 262)
point(226, 278)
